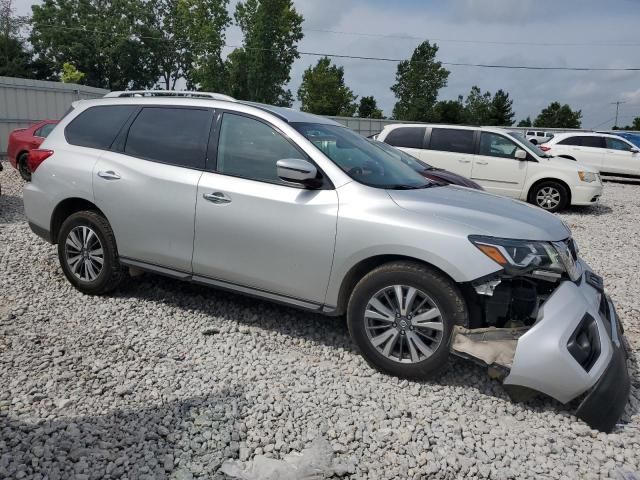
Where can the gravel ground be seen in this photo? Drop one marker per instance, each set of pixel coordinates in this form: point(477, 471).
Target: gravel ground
point(167, 380)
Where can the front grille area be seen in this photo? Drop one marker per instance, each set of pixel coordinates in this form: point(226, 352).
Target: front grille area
point(584, 343)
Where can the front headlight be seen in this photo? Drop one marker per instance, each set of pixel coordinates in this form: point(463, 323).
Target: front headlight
point(588, 177)
point(518, 257)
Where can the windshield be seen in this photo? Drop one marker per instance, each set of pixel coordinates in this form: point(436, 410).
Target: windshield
point(360, 159)
point(529, 146)
point(404, 157)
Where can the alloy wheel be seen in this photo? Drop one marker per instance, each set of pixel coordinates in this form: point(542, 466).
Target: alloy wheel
point(548, 198)
point(84, 253)
point(403, 323)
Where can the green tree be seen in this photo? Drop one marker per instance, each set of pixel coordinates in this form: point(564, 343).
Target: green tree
point(635, 125)
point(449, 111)
point(477, 107)
point(15, 58)
point(418, 81)
point(368, 108)
point(70, 74)
point(500, 110)
point(558, 116)
point(323, 91)
point(103, 39)
point(525, 123)
point(260, 69)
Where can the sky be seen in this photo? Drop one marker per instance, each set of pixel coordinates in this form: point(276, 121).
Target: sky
point(574, 33)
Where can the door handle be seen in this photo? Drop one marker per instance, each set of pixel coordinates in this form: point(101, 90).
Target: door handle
point(482, 163)
point(464, 161)
point(109, 175)
point(216, 197)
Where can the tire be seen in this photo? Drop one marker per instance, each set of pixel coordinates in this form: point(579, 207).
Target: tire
point(549, 195)
point(74, 238)
point(406, 358)
point(23, 167)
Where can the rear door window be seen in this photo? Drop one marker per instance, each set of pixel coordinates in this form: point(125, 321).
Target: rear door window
point(570, 141)
point(44, 130)
point(176, 136)
point(452, 140)
point(592, 141)
point(407, 137)
point(97, 127)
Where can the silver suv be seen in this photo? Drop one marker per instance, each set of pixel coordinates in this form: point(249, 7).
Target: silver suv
point(298, 209)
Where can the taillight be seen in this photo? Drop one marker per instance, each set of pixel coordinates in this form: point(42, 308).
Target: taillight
point(544, 148)
point(36, 157)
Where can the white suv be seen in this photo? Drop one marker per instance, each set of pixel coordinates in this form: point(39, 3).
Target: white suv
point(502, 162)
point(610, 154)
point(538, 136)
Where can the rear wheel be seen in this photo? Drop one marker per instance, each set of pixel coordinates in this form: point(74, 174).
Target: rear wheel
point(549, 195)
point(23, 167)
point(401, 316)
point(88, 254)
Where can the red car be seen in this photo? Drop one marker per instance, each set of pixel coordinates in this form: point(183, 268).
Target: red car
point(23, 140)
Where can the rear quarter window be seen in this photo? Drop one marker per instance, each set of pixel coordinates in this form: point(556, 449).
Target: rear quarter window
point(407, 137)
point(97, 127)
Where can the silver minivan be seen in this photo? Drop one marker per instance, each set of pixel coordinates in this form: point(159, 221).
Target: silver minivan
point(298, 209)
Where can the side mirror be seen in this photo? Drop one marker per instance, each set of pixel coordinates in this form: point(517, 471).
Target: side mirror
point(521, 154)
point(299, 171)
point(634, 150)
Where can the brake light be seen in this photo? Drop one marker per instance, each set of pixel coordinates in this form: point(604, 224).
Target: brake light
point(544, 148)
point(36, 157)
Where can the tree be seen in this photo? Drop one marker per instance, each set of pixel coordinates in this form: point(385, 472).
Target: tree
point(15, 58)
point(500, 110)
point(261, 68)
point(103, 39)
point(477, 107)
point(418, 81)
point(525, 123)
point(368, 108)
point(323, 91)
point(449, 111)
point(558, 116)
point(635, 125)
point(71, 74)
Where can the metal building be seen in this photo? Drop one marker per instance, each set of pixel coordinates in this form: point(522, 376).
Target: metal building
point(23, 102)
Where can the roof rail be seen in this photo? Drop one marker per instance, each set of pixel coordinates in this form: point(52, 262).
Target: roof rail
point(169, 93)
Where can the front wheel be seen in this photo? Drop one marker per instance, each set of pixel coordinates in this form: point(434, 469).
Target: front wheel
point(88, 254)
point(401, 316)
point(551, 196)
point(23, 167)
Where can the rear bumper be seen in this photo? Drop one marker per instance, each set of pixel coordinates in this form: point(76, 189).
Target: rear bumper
point(543, 362)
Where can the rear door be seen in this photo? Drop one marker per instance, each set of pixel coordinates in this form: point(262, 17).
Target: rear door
point(618, 157)
point(451, 149)
point(495, 166)
point(147, 184)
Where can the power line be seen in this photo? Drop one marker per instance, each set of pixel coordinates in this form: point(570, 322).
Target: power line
point(488, 42)
point(370, 58)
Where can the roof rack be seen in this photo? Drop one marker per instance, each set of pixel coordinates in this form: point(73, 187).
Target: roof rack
point(169, 93)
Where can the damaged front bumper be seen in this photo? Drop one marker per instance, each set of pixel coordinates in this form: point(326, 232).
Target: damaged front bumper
point(574, 349)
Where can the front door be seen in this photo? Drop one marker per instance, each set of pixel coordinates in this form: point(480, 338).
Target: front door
point(619, 158)
point(496, 168)
point(254, 230)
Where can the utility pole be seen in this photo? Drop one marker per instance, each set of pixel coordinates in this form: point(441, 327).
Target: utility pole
point(617, 104)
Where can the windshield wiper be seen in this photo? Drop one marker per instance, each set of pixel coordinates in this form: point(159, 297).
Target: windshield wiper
point(401, 186)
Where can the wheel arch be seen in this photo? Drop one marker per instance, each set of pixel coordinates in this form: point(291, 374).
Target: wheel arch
point(549, 179)
point(364, 266)
point(66, 208)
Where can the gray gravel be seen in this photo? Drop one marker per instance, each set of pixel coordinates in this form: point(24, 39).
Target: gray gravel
point(167, 380)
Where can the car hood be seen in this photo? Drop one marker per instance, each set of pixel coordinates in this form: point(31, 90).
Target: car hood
point(448, 177)
point(482, 213)
point(565, 163)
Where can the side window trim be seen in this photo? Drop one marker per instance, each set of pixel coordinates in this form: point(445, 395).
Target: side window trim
point(327, 184)
point(121, 138)
point(130, 121)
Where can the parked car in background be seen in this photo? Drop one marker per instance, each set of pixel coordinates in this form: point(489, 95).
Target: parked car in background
point(298, 209)
point(23, 140)
point(538, 136)
point(609, 154)
point(440, 175)
point(502, 162)
point(633, 137)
